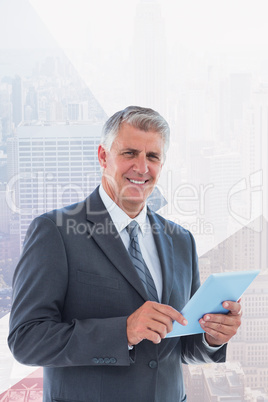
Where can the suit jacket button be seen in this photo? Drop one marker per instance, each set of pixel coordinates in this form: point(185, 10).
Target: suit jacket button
point(107, 360)
point(101, 360)
point(152, 364)
point(113, 360)
point(95, 360)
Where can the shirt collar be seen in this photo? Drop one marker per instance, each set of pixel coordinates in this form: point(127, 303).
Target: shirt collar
point(119, 217)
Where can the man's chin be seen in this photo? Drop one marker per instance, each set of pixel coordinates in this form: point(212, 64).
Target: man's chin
point(130, 202)
point(137, 196)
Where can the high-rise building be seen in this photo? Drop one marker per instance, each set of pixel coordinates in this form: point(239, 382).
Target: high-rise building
point(31, 105)
point(250, 345)
point(235, 92)
point(254, 151)
point(220, 169)
point(4, 211)
point(57, 166)
point(5, 109)
point(17, 100)
point(196, 112)
point(12, 183)
point(215, 383)
point(259, 127)
point(78, 111)
point(246, 249)
point(149, 56)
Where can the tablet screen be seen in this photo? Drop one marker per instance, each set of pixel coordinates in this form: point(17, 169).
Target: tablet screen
point(209, 298)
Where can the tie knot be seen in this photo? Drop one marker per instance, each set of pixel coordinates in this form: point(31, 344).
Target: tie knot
point(132, 229)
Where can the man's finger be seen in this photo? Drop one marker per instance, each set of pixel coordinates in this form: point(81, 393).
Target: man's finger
point(220, 323)
point(152, 321)
point(233, 307)
point(170, 312)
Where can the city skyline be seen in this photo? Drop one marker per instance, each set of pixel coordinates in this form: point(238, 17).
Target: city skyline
point(212, 89)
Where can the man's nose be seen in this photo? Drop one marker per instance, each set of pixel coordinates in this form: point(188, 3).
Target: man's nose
point(141, 165)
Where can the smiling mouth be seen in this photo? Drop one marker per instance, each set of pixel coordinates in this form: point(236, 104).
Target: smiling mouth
point(139, 182)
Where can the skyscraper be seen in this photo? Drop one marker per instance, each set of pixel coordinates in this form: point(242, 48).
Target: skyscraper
point(17, 101)
point(149, 56)
point(250, 345)
point(57, 166)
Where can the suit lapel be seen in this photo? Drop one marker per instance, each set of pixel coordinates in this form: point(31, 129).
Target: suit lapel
point(103, 231)
point(165, 252)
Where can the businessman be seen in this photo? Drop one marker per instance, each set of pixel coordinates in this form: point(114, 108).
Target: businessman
point(100, 282)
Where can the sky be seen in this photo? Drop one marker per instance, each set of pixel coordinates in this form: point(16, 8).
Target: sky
point(199, 25)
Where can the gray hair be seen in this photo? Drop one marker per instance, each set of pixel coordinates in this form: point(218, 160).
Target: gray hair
point(142, 118)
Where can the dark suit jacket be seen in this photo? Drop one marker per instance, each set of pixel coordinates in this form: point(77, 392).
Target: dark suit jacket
point(74, 288)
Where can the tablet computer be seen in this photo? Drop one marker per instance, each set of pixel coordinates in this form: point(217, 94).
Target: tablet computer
point(209, 298)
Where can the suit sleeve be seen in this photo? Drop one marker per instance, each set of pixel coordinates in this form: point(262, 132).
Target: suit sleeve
point(38, 335)
point(194, 350)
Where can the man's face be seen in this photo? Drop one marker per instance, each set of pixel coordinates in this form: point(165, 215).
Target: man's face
point(132, 167)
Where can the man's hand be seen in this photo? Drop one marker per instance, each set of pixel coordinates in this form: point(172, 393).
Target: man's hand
point(152, 321)
point(220, 328)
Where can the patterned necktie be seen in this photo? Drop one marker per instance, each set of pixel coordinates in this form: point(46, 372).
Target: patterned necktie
point(138, 261)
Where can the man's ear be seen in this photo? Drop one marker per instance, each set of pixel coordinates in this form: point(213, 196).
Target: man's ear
point(102, 156)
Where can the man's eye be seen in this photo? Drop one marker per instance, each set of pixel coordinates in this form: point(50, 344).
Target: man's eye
point(154, 157)
point(129, 153)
